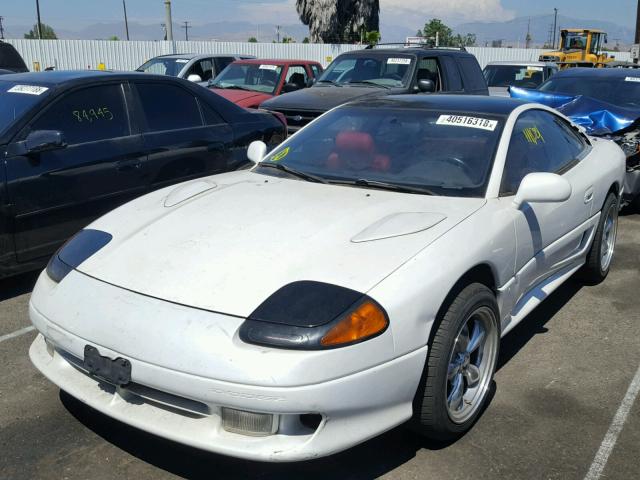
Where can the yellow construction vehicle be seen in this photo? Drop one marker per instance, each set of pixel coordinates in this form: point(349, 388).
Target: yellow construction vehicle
point(579, 48)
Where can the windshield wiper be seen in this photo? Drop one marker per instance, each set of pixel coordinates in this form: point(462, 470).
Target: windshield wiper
point(332, 82)
point(394, 187)
point(369, 82)
point(296, 173)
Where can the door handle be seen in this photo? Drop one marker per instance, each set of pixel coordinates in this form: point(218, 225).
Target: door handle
point(128, 165)
point(588, 196)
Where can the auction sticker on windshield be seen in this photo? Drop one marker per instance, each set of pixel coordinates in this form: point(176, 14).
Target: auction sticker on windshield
point(268, 67)
point(632, 79)
point(398, 61)
point(28, 89)
point(464, 121)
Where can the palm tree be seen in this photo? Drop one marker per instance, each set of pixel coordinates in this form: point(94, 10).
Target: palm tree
point(336, 21)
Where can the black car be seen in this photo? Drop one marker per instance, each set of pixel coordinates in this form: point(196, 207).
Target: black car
point(374, 72)
point(10, 59)
point(74, 145)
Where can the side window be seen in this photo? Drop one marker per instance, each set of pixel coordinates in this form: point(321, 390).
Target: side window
point(204, 68)
point(87, 115)
point(168, 107)
point(222, 62)
point(473, 77)
point(211, 117)
point(540, 142)
point(453, 74)
point(298, 75)
point(316, 71)
point(428, 70)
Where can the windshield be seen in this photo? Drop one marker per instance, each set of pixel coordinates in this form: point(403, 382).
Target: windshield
point(16, 99)
point(383, 70)
point(448, 153)
point(164, 66)
point(622, 91)
point(574, 41)
point(513, 76)
point(249, 76)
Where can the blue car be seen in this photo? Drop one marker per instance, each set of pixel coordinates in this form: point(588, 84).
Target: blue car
point(606, 102)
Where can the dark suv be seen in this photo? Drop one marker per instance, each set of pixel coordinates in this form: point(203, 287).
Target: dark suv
point(375, 72)
point(10, 59)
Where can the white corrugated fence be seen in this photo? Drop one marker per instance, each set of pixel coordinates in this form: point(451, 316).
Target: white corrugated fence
point(128, 55)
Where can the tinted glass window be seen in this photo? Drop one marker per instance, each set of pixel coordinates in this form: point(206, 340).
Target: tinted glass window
point(168, 107)
point(428, 70)
point(453, 74)
point(622, 91)
point(541, 142)
point(316, 70)
point(298, 75)
point(223, 62)
point(87, 115)
point(391, 70)
point(514, 75)
point(14, 101)
point(203, 68)
point(447, 153)
point(211, 117)
point(164, 66)
point(249, 76)
point(473, 78)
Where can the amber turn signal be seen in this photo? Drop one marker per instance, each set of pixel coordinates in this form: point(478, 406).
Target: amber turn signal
point(365, 321)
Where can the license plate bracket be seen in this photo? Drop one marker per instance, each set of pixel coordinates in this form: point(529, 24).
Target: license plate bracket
point(116, 372)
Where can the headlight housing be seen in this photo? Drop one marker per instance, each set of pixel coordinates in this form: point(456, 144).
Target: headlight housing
point(75, 251)
point(310, 315)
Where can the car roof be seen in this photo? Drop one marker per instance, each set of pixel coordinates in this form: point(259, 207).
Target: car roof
point(275, 61)
point(191, 56)
point(596, 73)
point(408, 51)
point(457, 103)
point(63, 77)
point(516, 63)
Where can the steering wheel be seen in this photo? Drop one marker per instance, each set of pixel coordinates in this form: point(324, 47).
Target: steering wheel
point(530, 85)
point(393, 76)
point(456, 162)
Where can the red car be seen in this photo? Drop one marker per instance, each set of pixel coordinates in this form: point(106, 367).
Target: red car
point(248, 83)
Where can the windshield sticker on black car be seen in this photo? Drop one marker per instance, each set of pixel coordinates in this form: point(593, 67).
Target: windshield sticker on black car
point(533, 135)
point(398, 61)
point(470, 122)
point(268, 67)
point(28, 89)
point(92, 114)
point(182, 60)
point(632, 79)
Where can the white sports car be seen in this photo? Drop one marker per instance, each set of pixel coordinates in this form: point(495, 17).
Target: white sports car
point(360, 276)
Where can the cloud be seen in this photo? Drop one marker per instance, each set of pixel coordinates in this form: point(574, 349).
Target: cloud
point(454, 11)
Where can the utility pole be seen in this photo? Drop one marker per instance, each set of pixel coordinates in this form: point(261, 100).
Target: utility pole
point(555, 26)
point(126, 22)
point(186, 30)
point(638, 24)
point(2, 28)
point(278, 32)
point(528, 37)
point(168, 23)
point(39, 22)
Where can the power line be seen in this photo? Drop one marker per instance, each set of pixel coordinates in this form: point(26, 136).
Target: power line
point(186, 30)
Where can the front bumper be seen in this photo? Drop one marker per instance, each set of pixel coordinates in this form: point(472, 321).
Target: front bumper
point(186, 407)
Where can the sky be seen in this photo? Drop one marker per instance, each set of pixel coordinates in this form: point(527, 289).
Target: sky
point(73, 14)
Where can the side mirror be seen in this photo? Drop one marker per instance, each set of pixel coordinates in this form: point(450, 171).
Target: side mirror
point(290, 87)
point(194, 78)
point(426, 86)
point(541, 187)
point(43, 140)
point(256, 151)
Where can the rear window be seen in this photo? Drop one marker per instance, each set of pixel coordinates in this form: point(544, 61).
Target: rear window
point(473, 78)
point(168, 107)
point(622, 91)
point(10, 59)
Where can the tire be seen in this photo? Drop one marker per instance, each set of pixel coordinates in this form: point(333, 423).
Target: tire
point(600, 255)
point(439, 412)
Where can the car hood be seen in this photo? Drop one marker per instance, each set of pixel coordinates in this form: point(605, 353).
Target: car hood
point(228, 242)
point(242, 97)
point(321, 98)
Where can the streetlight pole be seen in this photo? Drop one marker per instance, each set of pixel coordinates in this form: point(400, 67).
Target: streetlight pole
point(39, 22)
point(638, 24)
point(126, 22)
point(555, 26)
point(168, 22)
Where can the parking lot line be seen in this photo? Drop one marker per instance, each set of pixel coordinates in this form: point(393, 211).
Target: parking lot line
point(606, 447)
point(17, 333)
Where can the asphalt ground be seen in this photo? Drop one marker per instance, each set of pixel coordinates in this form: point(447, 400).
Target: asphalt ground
point(563, 397)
